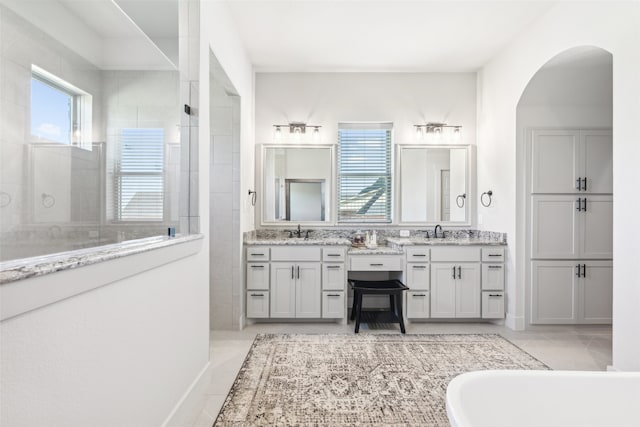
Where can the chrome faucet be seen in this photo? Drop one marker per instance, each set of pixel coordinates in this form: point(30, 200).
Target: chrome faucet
point(435, 232)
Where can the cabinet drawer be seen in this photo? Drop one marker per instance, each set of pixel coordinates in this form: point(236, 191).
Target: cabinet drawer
point(258, 253)
point(295, 253)
point(493, 277)
point(418, 305)
point(258, 275)
point(333, 305)
point(375, 263)
point(455, 254)
point(417, 254)
point(492, 305)
point(333, 254)
point(417, 275)
point(333, 277)
point(257, 304)
point(493, 254)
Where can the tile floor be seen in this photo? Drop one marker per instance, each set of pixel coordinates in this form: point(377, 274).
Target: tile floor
point(560, 347)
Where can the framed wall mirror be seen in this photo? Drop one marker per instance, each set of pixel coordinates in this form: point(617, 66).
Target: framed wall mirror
point(296, 183)
point(434, 184)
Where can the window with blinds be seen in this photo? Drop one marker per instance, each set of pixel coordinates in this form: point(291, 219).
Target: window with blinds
point(139, 175)
point(364, 172)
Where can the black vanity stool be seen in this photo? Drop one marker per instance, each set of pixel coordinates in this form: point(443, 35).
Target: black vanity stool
point(393, 288)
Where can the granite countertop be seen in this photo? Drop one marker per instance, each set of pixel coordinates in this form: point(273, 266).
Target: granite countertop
point(289, 241)
point(380, 250)
point(416, 241)
point(11, 271)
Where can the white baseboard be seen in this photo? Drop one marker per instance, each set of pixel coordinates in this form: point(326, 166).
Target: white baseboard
point(186, 410)
point(515, 323)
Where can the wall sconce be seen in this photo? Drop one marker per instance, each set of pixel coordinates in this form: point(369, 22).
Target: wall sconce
point(297, 129)
point(436, 130)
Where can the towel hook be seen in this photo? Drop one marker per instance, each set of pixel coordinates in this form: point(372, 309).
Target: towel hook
point(460, 200)
point(488, 194)
point(254, 195)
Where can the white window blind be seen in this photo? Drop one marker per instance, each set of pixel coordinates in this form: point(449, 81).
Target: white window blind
point(140, 175)
point(364, 172)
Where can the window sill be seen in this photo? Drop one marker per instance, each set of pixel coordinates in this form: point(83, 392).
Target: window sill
point(24, 287)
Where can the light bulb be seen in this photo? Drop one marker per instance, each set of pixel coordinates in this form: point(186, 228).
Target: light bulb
point(456, 133)
point(277, 134)
point(316, 134)
point(419, 133)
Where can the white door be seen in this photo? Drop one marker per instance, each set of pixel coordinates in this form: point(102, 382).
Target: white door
point(596, 292)
point(418, 305)
point(308, 289)
point(283, 290)
point(554, 166)
point(468, 290)
point(554, 292)
point(596, 227)
point(333, 277)
point(597, 160)
point(258, 275)
point(443, 290)
point(553, 226)
point(417, 276)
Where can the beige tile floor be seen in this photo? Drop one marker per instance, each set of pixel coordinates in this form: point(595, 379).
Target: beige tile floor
point(560, 347)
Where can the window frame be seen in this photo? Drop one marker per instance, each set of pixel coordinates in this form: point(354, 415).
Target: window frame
point(390, 206)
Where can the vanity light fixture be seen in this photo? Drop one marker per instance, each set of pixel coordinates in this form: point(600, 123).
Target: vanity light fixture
point(436, 130)
point(297, 129)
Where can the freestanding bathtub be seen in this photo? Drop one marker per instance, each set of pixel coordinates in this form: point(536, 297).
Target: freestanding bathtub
point(544, 399)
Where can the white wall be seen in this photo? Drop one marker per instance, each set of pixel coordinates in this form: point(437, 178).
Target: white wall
point(325, 99)
point(613, 27)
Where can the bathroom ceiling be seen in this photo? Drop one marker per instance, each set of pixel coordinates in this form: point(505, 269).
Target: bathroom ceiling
point(379, 35)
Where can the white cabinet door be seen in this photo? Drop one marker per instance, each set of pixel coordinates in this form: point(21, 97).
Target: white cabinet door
point(443, 290)
point(597, 160)
point(596, 292)
point(554, 161)
point(418, 304)
point(308, 293)
point(333, 305)
point(257, 304)
point(258, 275)
point(417, 276)
point(553, 226)
point(283, 290)
point(596, 227)
point(493, 277)
point(468, 290)
point(333, 277)
point(554, 292)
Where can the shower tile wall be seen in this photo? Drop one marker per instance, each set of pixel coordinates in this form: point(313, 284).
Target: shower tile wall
point(225, 269)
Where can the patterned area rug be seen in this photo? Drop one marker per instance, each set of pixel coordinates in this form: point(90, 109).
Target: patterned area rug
point(368, 379)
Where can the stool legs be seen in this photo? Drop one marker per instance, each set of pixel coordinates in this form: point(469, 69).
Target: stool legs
point(398, 298)
point(358, 311)
point(354, 306)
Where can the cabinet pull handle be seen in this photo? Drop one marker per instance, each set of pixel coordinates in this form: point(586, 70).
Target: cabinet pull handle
point(419, 267)
point(495, 266)
point(419, 255)
point(376, 265)
point(298, 272)
point(255, 254)
point(495, 295)
point(579, 208)
point(257, 266)
point(584, 208)
point(333, 266)
point(333, 295)
point(292, 276)
point(459, 272)
point(585, 183)
point(495, 254)
point(257, 295)
point(578, 185)
point(578, 270)
point(454, 272)
point(419, 295)
point(584, 270)
point(333, 254)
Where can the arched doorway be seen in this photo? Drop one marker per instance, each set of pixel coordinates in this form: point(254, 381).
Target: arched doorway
point(564, 133)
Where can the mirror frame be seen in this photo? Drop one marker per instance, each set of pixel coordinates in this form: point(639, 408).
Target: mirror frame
point(329, 187)
point(470, 185)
